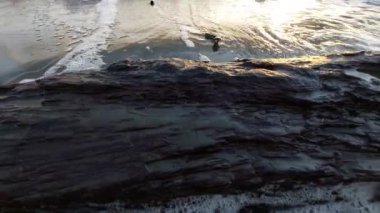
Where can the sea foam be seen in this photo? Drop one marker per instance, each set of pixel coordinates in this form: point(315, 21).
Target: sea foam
point(86, 56)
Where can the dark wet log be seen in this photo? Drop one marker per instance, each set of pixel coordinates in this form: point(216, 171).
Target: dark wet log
point(156, 130)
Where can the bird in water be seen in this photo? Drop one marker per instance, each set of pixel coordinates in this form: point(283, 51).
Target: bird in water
point(216, 46)
point(210, 36)
point(215, 40)
point(152, 3)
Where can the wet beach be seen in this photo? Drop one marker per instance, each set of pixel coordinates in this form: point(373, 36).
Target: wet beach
point(91, 34)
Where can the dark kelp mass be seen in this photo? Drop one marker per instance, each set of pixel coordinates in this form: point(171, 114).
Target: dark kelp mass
point(287, 135)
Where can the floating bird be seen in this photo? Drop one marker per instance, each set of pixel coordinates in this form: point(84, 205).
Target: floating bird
point(203, 58)
point(152, 3)
point(210, 36)
point(214, 39)
point(216, 46)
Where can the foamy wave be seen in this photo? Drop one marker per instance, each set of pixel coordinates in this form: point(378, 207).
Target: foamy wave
point(185, 37)
point(356, 199)
point(86, 56)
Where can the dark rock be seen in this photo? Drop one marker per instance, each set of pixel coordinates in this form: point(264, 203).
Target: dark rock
point(125, 66)
point(146, 131)
point(376, 196)
point(260, 208)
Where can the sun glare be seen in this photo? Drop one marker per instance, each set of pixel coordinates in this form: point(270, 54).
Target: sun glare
point(282, 11)
point(276, 12)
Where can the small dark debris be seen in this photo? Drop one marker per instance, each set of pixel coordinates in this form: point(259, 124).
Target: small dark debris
point(259, 208)
point(338, 198)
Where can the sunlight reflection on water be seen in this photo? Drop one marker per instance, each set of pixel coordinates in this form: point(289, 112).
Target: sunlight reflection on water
point(46, 29)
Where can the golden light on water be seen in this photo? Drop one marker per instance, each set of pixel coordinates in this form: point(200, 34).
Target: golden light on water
point(283, 11)
point(276, 12)
point(248, 29)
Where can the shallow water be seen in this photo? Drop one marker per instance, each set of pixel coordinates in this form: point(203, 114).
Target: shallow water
point(45, 37)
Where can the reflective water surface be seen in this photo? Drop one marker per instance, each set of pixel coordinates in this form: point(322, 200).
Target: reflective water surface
point(45, 37)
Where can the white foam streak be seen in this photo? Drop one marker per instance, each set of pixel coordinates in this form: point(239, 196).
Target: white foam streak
point(185, 37)
point(86, 56)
